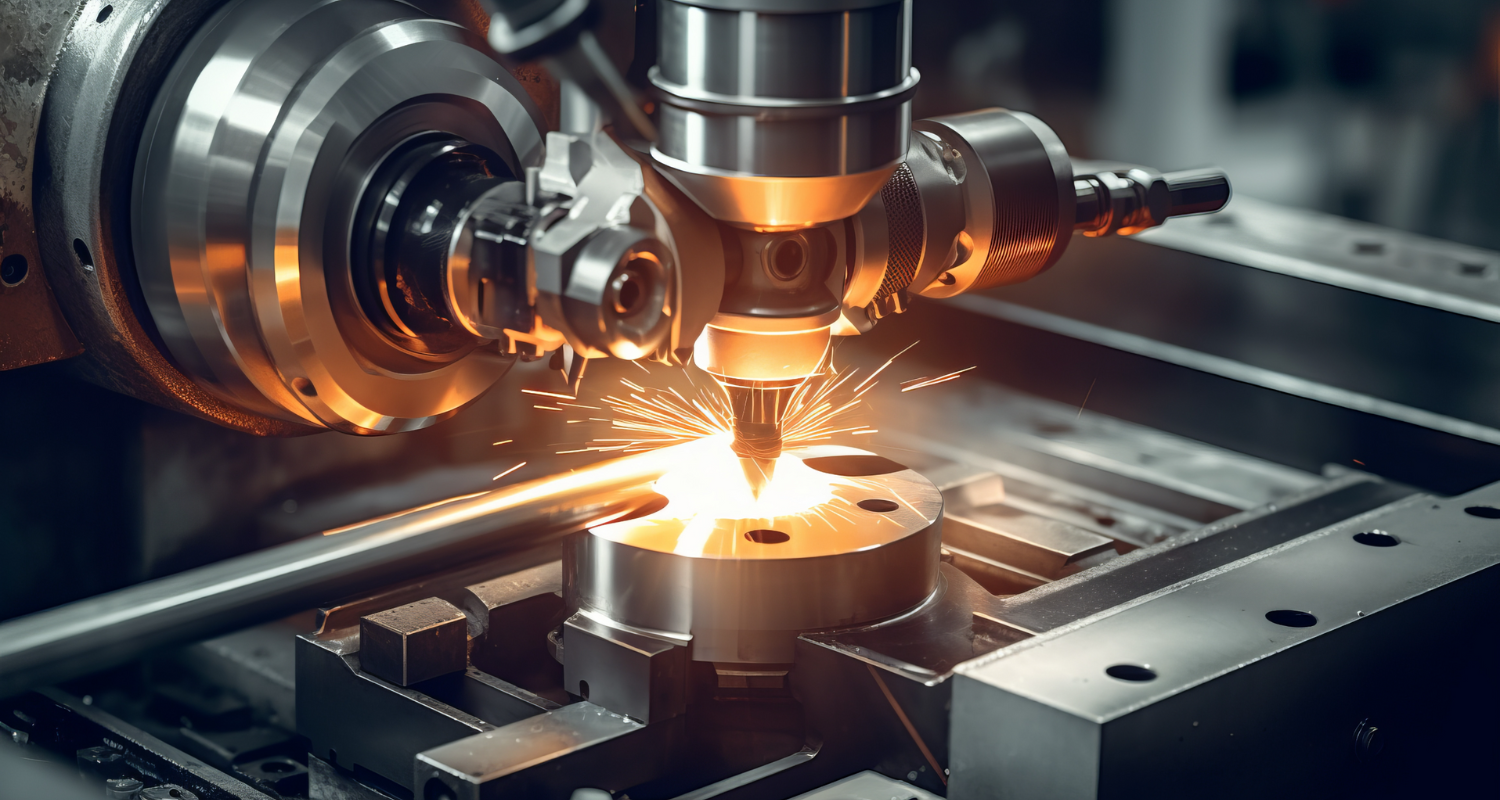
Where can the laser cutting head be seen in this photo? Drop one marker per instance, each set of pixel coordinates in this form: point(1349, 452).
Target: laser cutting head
point(761, 370)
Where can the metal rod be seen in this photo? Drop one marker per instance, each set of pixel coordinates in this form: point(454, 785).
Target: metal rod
point(113, 628)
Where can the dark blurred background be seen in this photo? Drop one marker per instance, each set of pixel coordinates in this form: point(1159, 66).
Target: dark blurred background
point(1379, 110)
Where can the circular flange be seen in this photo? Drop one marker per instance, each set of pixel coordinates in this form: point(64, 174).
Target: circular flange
point(251, 167)
point(839, 538)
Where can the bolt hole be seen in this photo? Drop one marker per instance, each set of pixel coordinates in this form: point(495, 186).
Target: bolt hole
point(788, 259)
point(1292, 619)
point(278, 766)
point(1134, 673)
point(764, 536)
point(174, 792)
point(82, 251)
point(1376, 539)
point(304, 387)
point(947, 279)
point(1369, 248)
point(583, 689)
point(879, 505)
point(435, 789)
point(629, 288)
point(13, 269)
point(1488, 512)
point(1472, 270)
point(104, 13)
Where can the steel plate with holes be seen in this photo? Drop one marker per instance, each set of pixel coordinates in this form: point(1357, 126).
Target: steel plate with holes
point(1283, 659)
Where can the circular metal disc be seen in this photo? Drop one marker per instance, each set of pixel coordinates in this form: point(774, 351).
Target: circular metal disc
point(839, 538)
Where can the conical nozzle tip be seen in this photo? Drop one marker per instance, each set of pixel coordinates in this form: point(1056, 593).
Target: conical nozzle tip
point(758, 473)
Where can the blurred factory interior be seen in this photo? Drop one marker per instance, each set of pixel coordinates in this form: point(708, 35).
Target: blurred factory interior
point(1377, 110)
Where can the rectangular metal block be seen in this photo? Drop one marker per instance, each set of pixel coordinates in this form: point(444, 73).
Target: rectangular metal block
point(576, 746)
point(640, 676)
point(510, 618)
point(1025, 541)
point(415, 642)
point(1253, 679)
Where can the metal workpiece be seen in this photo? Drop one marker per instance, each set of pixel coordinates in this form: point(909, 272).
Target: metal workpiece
point(1268, 657)
point(412, 643)
point(862, 546)
point(580, 746)
point(113, 628)
point(246, 266)
point(782, 115)
point(642, 676)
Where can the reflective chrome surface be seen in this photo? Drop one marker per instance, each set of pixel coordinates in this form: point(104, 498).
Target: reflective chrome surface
point(816, 97)
point(115, 627)
point(1018, 195)
point(250, 169)
point(839, 538)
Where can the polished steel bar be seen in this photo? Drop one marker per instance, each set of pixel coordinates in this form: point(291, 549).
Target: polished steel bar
point(110, 629)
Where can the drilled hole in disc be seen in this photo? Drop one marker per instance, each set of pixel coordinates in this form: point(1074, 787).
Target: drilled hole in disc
point(1292, 619)
point(1134, 673)
point(764, 536)
point(1376, 539)
point(878, 504)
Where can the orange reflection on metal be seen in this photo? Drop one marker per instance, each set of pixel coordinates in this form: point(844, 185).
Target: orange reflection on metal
point(711, 511)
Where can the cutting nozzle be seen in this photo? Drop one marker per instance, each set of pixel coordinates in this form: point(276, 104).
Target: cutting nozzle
point(759, 408)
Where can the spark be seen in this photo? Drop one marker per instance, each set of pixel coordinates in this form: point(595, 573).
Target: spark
point(507, 441)
point(509, 471)
point(547, 408)
point(657, 417)
point(548, 394)
point(888, 362)
point(1085, 399)
point(923, 383)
